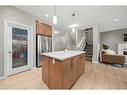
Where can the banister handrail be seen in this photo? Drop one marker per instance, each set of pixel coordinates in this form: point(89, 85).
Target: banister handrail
point(82, 43)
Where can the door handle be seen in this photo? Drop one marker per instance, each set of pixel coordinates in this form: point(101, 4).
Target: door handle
point(9, 52)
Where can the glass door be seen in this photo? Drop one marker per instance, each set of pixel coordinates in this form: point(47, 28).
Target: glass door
point(18, 40)
point(19, 47)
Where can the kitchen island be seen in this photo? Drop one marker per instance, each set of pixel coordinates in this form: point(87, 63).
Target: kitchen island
point(60, 70)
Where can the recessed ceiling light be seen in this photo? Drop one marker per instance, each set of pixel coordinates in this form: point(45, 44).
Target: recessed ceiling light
point(46, 15)
point(56, 32)
point(116, 19)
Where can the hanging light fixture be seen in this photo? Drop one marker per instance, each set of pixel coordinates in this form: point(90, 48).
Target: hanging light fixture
point(73, 28)
point(73, 25)
point(54, 16)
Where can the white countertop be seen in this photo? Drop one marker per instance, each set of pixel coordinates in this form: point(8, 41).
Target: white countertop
point(62, 55)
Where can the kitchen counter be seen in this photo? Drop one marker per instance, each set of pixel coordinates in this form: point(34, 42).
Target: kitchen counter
point(62, 55)
point(60, 70)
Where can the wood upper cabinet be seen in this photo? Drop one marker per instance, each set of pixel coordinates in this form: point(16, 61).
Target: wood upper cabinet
point(55, 74)
point(39, 28)
point(43, 29)
point(45, 70)
point(48, 30)
point(67, 74)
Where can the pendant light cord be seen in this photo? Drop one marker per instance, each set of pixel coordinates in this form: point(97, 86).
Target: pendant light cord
point(73, 18)
point(54, 15)
point(54, 10)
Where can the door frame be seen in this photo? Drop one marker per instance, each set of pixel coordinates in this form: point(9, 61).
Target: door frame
point(6, 22)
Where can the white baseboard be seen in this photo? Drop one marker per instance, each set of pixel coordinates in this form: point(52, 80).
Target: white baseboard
point(95, 61)
point(33, 68)
point(2, 77)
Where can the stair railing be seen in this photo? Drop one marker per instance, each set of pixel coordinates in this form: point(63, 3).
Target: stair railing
point(82, 43)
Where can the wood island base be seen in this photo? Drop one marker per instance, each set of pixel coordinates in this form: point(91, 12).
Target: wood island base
point(62, 74)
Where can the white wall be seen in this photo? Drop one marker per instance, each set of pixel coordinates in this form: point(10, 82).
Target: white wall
point(96, 44)
point(2, 45)
point(70, 44)
point(19, 16)
point(71, 40)
point(60, 42)
point(89, 37)
point(113, 38)
point(80, 34)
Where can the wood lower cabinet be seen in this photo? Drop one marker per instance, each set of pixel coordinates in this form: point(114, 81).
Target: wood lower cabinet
point(75, 63)
point(45, 70)
point(67, 74)
point(55, 74)
point(81, 64)
point(62, 74)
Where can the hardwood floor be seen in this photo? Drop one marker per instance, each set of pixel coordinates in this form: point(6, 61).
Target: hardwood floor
point(101, 76)
point(26, 80)
point(95, 76)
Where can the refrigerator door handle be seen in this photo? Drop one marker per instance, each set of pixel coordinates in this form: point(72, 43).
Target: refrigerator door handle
point(47, 44)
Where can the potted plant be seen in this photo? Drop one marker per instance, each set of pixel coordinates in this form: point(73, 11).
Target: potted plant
point(104, 46)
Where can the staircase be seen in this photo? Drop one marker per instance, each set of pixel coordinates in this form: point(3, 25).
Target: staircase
point(89, 52)
point(82, 44)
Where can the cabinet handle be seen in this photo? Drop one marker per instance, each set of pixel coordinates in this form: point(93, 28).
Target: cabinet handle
point(9, 52)
point(53, 61)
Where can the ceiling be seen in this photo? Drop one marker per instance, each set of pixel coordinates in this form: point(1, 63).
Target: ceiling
point(104, 16)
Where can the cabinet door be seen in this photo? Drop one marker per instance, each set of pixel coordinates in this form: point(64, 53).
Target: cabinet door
point(37, 27)
point(67, 74)
point(40, 28)
point(81, 64)
point(45, 70)
point(55, 74)
point(48, 30)
point(75, 61)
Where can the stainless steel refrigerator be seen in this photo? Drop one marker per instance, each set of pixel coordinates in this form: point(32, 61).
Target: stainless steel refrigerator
point(43, 44)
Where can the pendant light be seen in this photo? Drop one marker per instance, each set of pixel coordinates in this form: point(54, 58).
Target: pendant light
point(73, 28)
point(54, 16)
